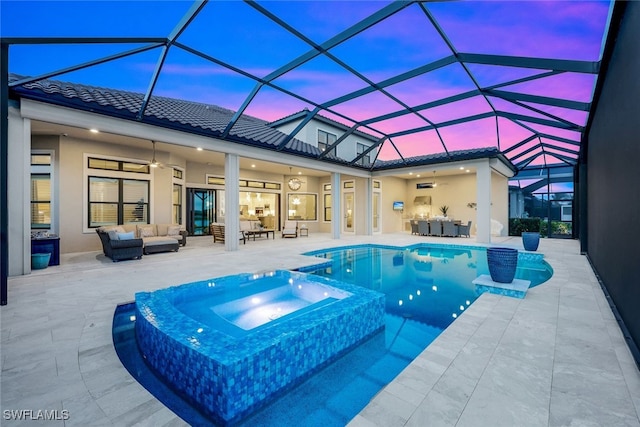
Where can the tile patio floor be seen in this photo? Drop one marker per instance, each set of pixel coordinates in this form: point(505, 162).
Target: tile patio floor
point(555, 358)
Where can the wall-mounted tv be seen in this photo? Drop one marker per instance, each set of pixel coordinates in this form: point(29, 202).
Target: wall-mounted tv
point(398, 206)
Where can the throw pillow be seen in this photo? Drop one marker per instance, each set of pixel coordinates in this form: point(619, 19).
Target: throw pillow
point(126, 236)
point(173, 230)
point(146, 232)
point(113, 235)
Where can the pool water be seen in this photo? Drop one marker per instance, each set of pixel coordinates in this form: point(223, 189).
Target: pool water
point(431, 284)
point(426, 288)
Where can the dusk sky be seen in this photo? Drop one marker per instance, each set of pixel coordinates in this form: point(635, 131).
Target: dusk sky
point(242, 37)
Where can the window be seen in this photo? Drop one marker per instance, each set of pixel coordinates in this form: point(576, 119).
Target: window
point(115, 201)
point(327, 207)
point(117, 165)
point(177, 204)
point(43, 159)
point(365, 160)
point(215, 180)
point(177, 196)
point(325, 139)
point(41, 201)
point(302, 207)
point(41, 190)
point(219, 180)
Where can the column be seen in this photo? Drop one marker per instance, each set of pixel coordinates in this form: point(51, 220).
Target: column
point(19, 193)
point(483, 214)
point(231, 201)
point(336, 214)
point(368, 206)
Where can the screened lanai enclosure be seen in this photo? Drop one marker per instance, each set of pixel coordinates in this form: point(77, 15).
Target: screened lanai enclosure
point(423, 78)
point(427, 82)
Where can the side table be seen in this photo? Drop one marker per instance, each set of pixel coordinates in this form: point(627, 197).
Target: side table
point(43, 245)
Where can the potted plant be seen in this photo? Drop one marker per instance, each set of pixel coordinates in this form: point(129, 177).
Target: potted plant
point(502, 264)
point(530, 240)
point(444, 209)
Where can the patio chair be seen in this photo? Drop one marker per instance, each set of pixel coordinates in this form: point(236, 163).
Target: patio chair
point(217, 231)
point(414, 226)
point(465, 230)
point(423, 228)
point(449, 228)
point(290, 229)
point(435, 228)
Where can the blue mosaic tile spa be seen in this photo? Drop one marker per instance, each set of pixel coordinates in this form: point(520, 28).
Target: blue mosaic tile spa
point(229, 344)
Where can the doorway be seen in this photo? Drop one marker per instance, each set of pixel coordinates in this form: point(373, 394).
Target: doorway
point(376, 206)
point(201, 204)
point(348, 212)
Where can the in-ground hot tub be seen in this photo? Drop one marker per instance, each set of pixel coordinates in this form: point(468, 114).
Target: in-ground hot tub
point(231, 343)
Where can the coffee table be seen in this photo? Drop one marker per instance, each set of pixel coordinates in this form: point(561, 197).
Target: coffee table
point(260, 232)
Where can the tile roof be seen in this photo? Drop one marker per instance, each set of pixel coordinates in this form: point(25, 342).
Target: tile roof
point(209, 120)
point(193, 117)
point(453, 156)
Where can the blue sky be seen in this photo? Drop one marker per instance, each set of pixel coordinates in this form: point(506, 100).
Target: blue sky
point(238, 35)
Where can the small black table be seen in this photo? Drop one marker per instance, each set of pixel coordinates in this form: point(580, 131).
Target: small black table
point(49, 244)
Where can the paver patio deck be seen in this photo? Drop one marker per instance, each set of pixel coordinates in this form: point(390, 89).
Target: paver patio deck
point(555, 358)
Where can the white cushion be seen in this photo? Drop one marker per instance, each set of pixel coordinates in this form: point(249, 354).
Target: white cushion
point(173, 230)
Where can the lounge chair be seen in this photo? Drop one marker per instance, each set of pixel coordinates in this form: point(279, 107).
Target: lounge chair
point(290, 229)
point(465, 230)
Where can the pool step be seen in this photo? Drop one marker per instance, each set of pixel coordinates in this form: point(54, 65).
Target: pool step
point(517, 288)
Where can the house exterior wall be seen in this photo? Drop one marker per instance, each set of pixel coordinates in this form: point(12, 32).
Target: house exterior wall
point(346, 149)
point(456, 192)
point(392, 189)
point(71, 180)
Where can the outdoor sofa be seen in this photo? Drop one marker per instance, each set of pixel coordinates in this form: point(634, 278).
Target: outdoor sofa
point(132, 240)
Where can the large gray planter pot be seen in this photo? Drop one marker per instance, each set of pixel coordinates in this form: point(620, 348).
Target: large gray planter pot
point(502, 264)
point(530, 240)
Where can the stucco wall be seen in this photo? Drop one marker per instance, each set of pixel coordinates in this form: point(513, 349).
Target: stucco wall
point(456, 192)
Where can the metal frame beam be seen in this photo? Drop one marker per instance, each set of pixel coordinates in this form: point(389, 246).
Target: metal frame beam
point(537, 120)
point(189, 16)
point(443, 124)
point(310, 115)
point(84, 65)
point(588, 67)
point(545, 100)
point(519, 144)
point(4, 175)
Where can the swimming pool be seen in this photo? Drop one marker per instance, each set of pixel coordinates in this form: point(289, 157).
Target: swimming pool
point(431, 283)
point(426, 287)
